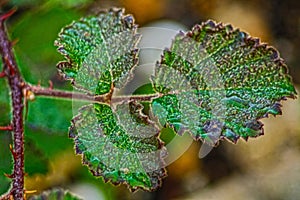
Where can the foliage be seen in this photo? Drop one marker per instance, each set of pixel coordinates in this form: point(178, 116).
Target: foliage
point(214, 82)
point(218, 82)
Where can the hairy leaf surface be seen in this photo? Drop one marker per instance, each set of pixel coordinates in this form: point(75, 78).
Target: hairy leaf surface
point(100, 51)
point(218, 82)
point(119, 145)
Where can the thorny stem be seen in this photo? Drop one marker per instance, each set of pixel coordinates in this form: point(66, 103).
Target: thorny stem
point(15, 81)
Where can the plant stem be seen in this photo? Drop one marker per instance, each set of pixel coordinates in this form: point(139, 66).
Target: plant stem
point(14, 80)
point(124, 99)
point(53, 93)
point(106, 98)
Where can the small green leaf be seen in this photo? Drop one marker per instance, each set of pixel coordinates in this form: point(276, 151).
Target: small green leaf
point(122, 146)
point(217, 82)
point(100, 51)
point(55, 194)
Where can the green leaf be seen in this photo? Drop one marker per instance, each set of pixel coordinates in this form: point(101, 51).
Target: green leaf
point(55, 194)
point(100, 51)
point(217, 82)
point(120, 145)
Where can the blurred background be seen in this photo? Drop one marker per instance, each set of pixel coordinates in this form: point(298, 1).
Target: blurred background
point(267, 167)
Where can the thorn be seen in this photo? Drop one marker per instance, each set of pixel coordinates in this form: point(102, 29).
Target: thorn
point(39, 83)
point(6, 128)
point(7, 197)
point(2, 74)
point(12, 71)
point(8, 14)
point(14, 42)
point(30, 191)
point(50, 85)
point(12, 151)
point(9, 175)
